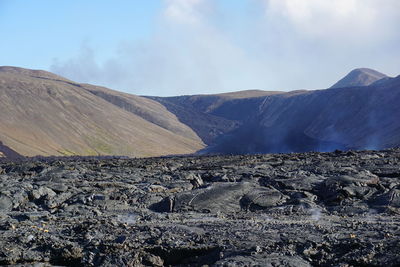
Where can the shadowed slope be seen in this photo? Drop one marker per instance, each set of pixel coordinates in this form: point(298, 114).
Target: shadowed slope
point(324, 120)
point(214, 115)
point(7, 152)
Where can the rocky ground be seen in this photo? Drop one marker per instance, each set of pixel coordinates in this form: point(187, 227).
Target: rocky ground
point(311, 209)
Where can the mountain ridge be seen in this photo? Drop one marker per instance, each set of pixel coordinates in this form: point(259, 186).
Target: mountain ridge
point(321, 120)
point(45, 114)
point(361, 117)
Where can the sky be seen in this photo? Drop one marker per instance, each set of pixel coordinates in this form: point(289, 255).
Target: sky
point(177, 47)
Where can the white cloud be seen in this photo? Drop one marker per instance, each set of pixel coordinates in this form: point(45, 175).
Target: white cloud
point(184, 11)
point(294, 44)
point(332, 19)
point(186, 55)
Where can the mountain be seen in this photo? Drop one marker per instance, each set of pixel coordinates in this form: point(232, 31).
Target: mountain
point(146, 108)
point(359, 77)
point(351, 117)
point(214, 115)
point(45, 114)
point(322, 120)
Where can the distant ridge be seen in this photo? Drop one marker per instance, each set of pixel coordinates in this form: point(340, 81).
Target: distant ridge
point(359, 77)
point(213, 115)
point(363, 115)
point(45, 114)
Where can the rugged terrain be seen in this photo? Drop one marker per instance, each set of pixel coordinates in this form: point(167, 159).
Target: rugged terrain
point(311, 209)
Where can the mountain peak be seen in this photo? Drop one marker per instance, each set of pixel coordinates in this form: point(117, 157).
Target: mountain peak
point(359, 77)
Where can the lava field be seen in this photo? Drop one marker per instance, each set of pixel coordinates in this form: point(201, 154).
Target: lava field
point(309, 209)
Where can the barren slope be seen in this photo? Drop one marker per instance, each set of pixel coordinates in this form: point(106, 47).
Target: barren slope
point(146, 108)
point(43, 114)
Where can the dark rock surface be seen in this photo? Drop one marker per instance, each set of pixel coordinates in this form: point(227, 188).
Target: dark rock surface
point(311, 209)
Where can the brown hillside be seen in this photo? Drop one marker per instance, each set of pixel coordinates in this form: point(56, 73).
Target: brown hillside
point(146, 108)
point(44, 114)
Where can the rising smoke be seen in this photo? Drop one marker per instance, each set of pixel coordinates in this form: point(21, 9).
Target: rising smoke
point(198, 48)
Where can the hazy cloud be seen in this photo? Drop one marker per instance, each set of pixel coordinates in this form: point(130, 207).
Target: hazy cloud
point(293, 44)
point(186, 55)
point(367, 19)
point(85, 68)
point(185, 11)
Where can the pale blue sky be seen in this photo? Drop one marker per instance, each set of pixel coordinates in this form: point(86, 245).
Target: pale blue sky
point(174, 47)
point(38, 31)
